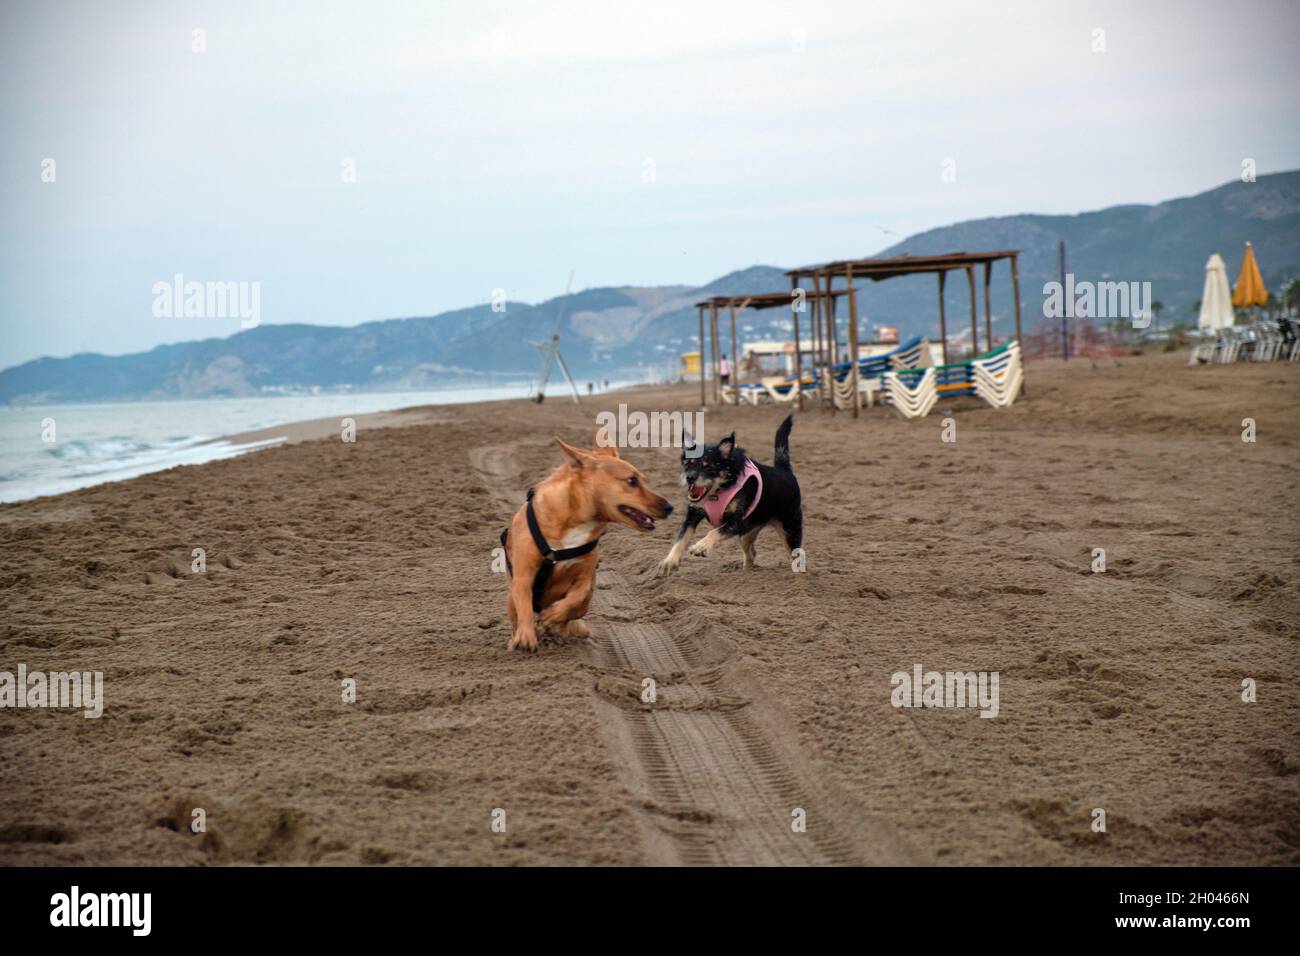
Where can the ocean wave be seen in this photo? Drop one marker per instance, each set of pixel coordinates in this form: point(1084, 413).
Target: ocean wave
point(86, 470)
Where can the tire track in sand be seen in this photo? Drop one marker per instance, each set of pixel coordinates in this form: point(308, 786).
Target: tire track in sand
point(711, 785)
point(706, 775)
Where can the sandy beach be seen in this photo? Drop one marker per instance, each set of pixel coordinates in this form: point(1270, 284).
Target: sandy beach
point(372, 561)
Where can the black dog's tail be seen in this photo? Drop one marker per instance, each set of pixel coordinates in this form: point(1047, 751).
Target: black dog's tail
point(781, 457)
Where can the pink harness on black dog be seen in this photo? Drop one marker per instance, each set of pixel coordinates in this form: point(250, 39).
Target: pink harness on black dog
point(715, 506)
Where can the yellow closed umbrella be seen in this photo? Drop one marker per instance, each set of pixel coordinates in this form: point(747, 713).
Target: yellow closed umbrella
point(1249, 289)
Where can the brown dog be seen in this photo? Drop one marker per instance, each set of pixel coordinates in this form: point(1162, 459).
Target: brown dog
point(572, 508)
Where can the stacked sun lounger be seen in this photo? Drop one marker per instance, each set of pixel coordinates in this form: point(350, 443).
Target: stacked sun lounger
point(911, 394)
point(908, 355)
point(842, 391)
point(870, 372)
point(995, 377)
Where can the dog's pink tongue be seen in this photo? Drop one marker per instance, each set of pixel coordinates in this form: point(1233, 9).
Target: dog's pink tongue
point(697, 491)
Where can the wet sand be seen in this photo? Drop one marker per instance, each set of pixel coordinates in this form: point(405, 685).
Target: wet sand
point(318, 428)
point(372, 562)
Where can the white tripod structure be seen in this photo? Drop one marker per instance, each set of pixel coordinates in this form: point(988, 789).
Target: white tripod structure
point(551, 353)
point(550, 356)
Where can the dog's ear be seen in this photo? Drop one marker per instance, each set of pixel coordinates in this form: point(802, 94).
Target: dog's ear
point(604, 448)
point(577, 457)
point(727, 445)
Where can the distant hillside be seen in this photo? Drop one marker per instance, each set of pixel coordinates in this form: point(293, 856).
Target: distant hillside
point(609, 331)
point(1166, 244)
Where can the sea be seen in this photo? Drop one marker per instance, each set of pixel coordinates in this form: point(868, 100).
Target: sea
point(50, 449)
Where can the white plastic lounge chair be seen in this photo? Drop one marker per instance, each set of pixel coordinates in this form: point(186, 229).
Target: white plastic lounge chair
point(910, 401)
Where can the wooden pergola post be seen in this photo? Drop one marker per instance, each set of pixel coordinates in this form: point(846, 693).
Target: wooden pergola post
point(832, 346)
point(704, 399)
point(832, 326)
point(943, 325)
point(713, 338)
point(735, 347)
point(798, 352)
point(853, 339)
point(735, 359)
point(708, 334)
point(816, 329)
point(974, 317)
point(1015, 293)
point(988, 312)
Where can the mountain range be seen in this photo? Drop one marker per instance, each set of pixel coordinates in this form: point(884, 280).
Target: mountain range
point(616, 331)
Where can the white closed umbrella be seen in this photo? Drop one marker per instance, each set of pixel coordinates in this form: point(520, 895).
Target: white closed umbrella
point(1216, 300)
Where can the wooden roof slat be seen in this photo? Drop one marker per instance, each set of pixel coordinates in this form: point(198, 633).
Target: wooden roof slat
point(764, 300)
point(903, 265)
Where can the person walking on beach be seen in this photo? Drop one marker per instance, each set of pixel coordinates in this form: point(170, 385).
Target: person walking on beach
point(724, 370)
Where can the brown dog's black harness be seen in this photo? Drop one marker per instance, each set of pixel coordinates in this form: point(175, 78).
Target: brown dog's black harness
point(550, 556)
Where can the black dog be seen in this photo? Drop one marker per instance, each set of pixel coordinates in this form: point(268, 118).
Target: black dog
point(739, 497)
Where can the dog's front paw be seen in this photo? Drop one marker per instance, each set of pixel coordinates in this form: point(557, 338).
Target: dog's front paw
point(551, 619)
point(700, 548)
point(666, 567)
point(523, 640)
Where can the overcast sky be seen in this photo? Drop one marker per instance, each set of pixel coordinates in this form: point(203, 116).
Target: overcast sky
point(500, 145)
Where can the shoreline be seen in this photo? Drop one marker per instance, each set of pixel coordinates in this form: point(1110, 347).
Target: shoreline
point(312, 429)
point(185, 452)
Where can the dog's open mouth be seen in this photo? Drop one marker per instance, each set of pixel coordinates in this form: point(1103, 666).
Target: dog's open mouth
point(643, 520)
point(696, 493)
